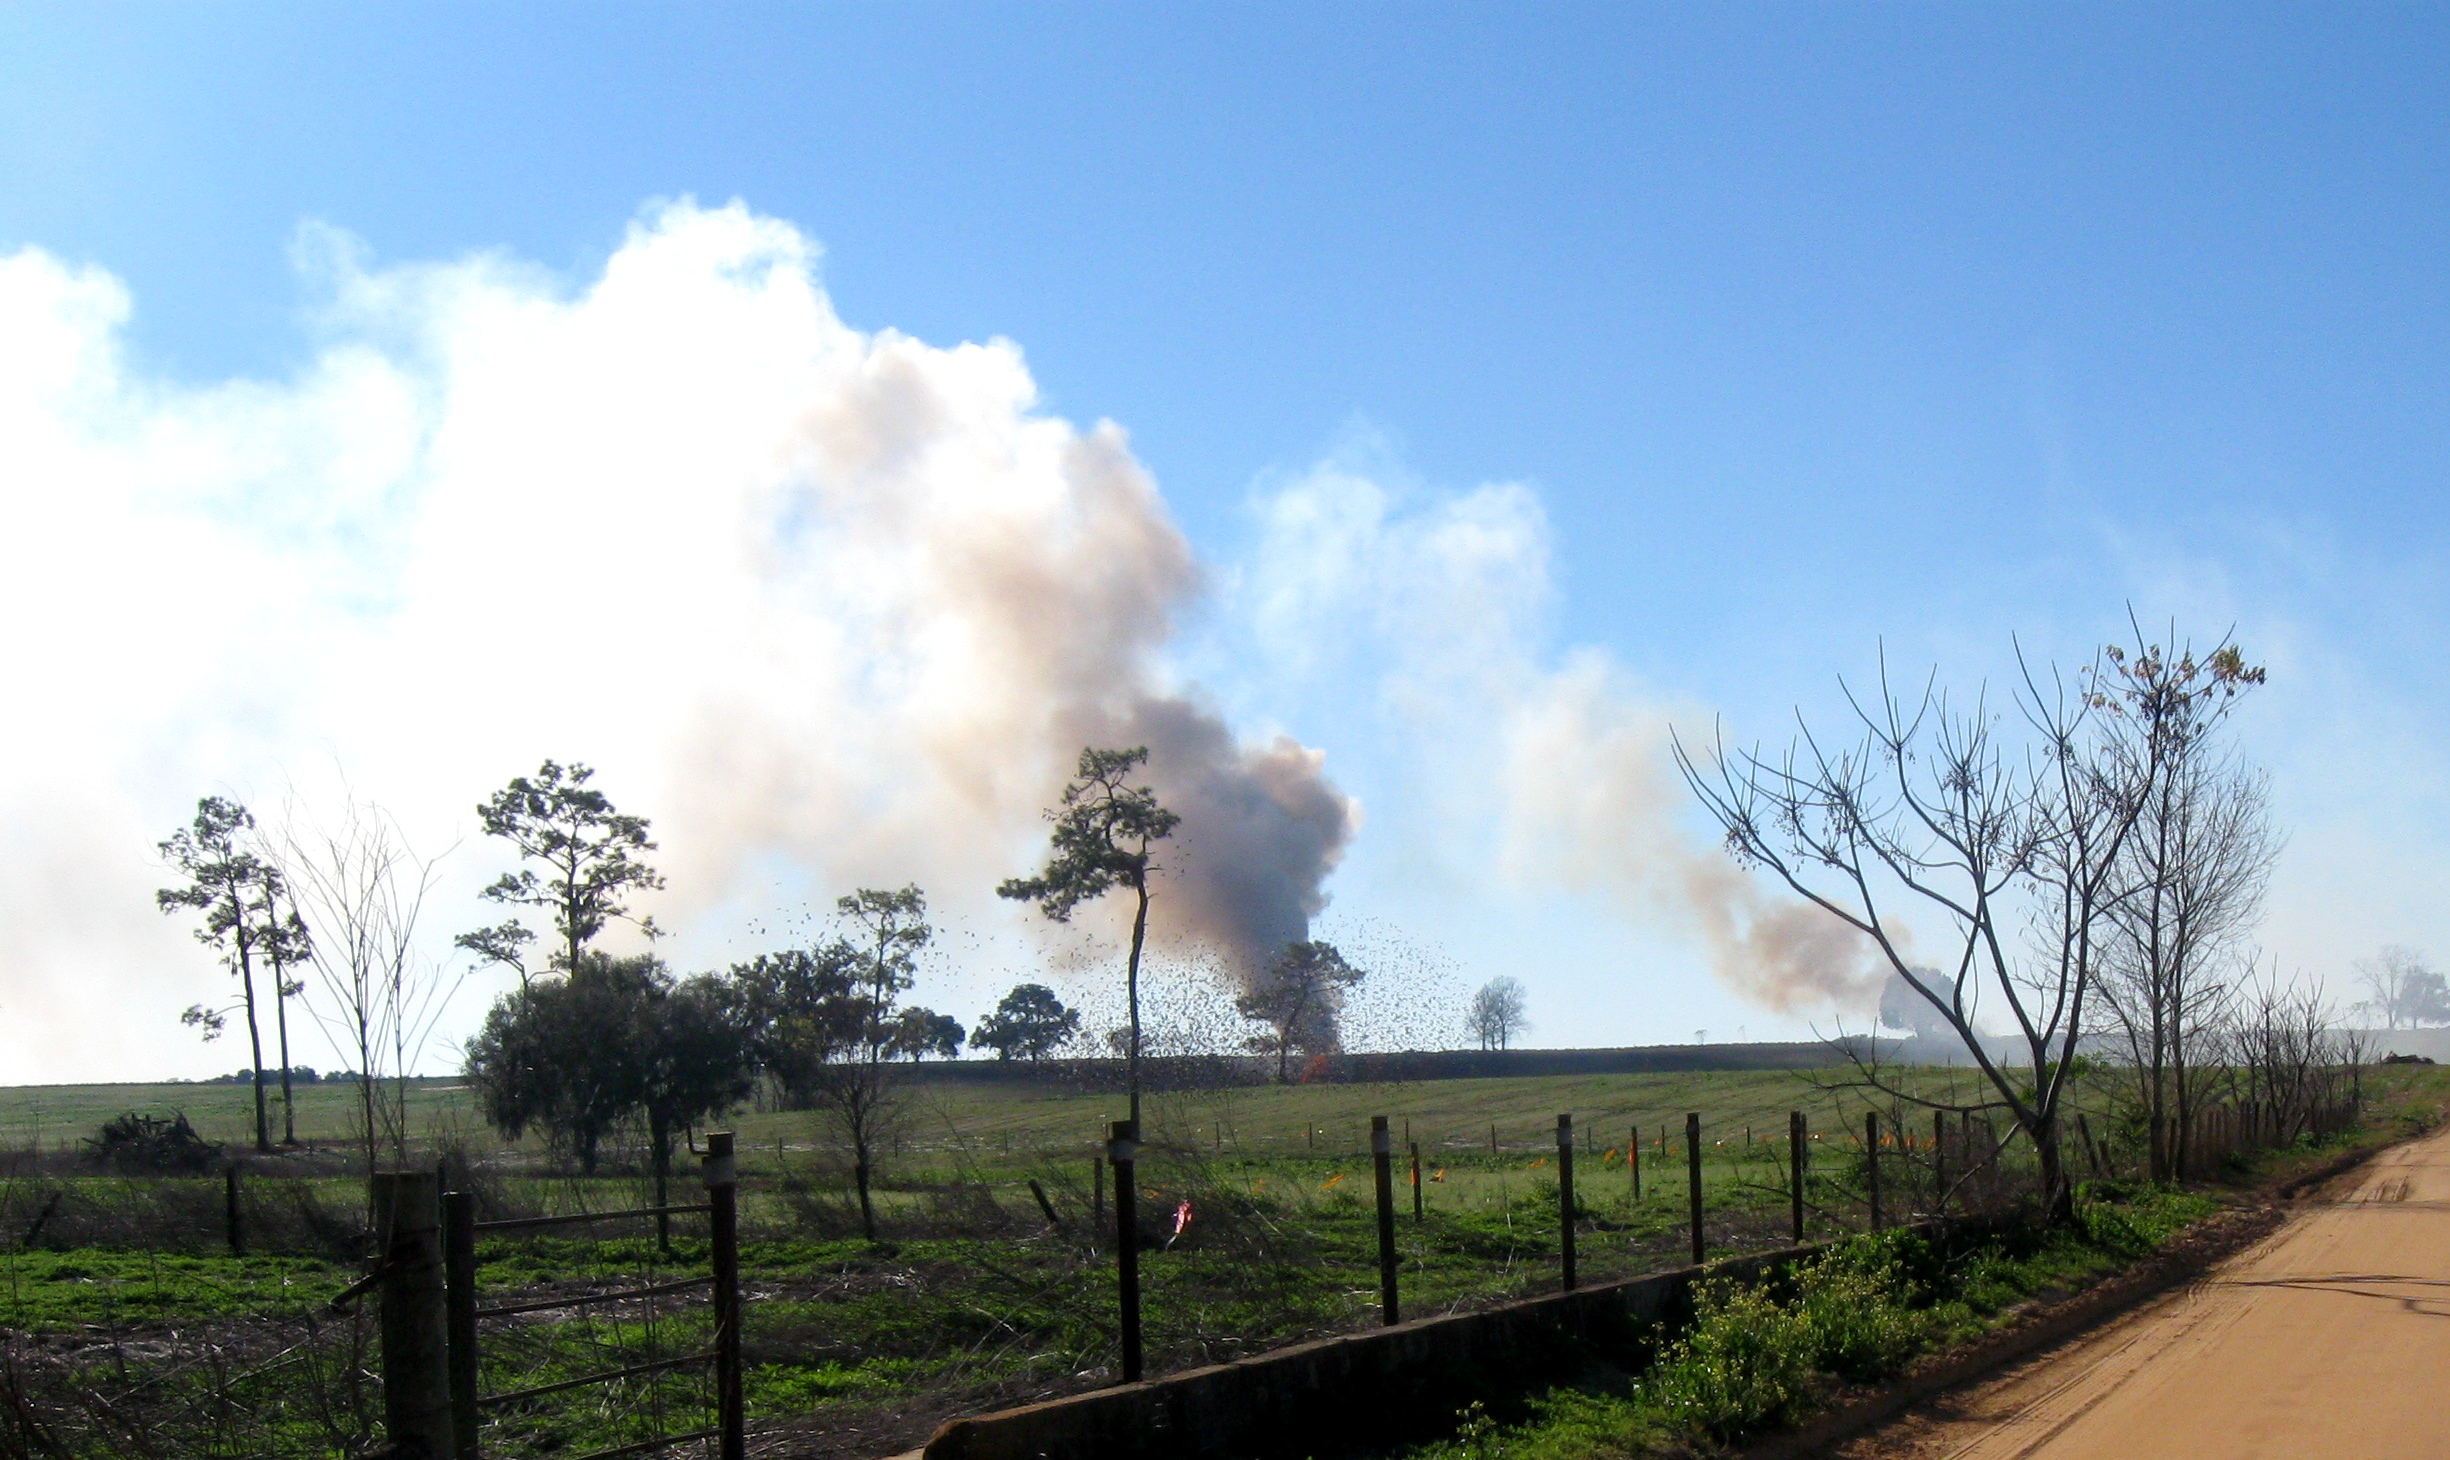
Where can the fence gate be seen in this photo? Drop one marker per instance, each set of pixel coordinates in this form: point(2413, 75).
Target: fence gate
point(460, 1230)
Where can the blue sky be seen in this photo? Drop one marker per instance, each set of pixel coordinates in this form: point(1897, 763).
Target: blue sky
point(1803, 328)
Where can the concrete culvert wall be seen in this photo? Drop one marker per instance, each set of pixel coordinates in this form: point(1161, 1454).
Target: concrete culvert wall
point(1359, 1392)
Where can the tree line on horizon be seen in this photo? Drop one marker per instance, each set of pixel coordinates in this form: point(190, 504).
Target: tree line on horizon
point(590, 1042)
point(2098, 878)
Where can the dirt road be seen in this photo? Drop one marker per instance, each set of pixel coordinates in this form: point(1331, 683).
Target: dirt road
point(2329, 1340)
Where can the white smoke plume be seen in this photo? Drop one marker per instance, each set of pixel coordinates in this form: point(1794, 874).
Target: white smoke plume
point(1595, 802)
point(1558, 769)
point(831, 607)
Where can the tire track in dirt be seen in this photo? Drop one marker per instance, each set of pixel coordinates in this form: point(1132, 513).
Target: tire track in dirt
point(2329, 1337)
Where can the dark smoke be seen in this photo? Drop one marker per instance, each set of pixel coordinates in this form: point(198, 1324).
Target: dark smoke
point(1262, 827)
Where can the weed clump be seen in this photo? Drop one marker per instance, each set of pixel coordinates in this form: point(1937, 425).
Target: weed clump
point(1756, 1358)
point(1744, 1365)
point(1866, 1316)
point(137, 1142)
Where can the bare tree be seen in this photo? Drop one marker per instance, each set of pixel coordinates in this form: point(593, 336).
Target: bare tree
point(1931, 821)
point(2193, 875)
point(2404, 990)
point(359, 882)
point(287, 946)
point(2289, 1058)
point(1497, 1014)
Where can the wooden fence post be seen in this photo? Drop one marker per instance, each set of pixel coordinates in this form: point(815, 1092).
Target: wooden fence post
point(232, 1218)
point(416, 1346)
point(459, 1297)
point(1692, 1169)
point(1382, 1169)
point(723, 1195)
point(1565, 1200)
point(1871, 1161)
point(1123, 1149)
point(1795, 1169)
point(1939, 1162)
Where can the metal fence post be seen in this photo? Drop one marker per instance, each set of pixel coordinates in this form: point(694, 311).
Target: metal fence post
point(1871, 1161)
point(722, 1175)
point(1382, 1168)
point(416, 1348)
point(1795, 1168)
point(1416, 1183)
point(1692, 1166)
point(232, 1218)
point(1565, 1201)
point(459, 1298)
point(1633, 1159)
point(1123, 1149)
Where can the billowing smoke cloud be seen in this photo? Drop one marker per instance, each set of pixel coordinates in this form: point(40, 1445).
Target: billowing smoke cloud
point(1595, 802)
point(1261, 830)
point(1557, 770)
point(832, 607)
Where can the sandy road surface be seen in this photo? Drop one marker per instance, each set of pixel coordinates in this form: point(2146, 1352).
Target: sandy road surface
point(2328, 1340)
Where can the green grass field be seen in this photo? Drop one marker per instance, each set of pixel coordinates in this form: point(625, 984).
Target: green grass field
point(50, 1115)
point(971, 1299)
point(1485, 1144)
point(983, 1122)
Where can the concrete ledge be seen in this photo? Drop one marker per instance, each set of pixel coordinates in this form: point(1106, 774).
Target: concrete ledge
point(1357, 1391)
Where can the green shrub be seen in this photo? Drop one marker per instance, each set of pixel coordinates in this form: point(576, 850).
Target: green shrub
point(2112, 1229)
point(1743, 1366)
point(1867, 1319)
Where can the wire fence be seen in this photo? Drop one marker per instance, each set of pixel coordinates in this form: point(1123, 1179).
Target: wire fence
point(644, 1339)
point(201, 1316)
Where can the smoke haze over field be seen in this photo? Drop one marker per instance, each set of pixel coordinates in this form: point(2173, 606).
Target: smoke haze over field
point(1483, 425)
point(1557, 772)
point(1596, 803)
point(832, 608)
point(800, 593)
